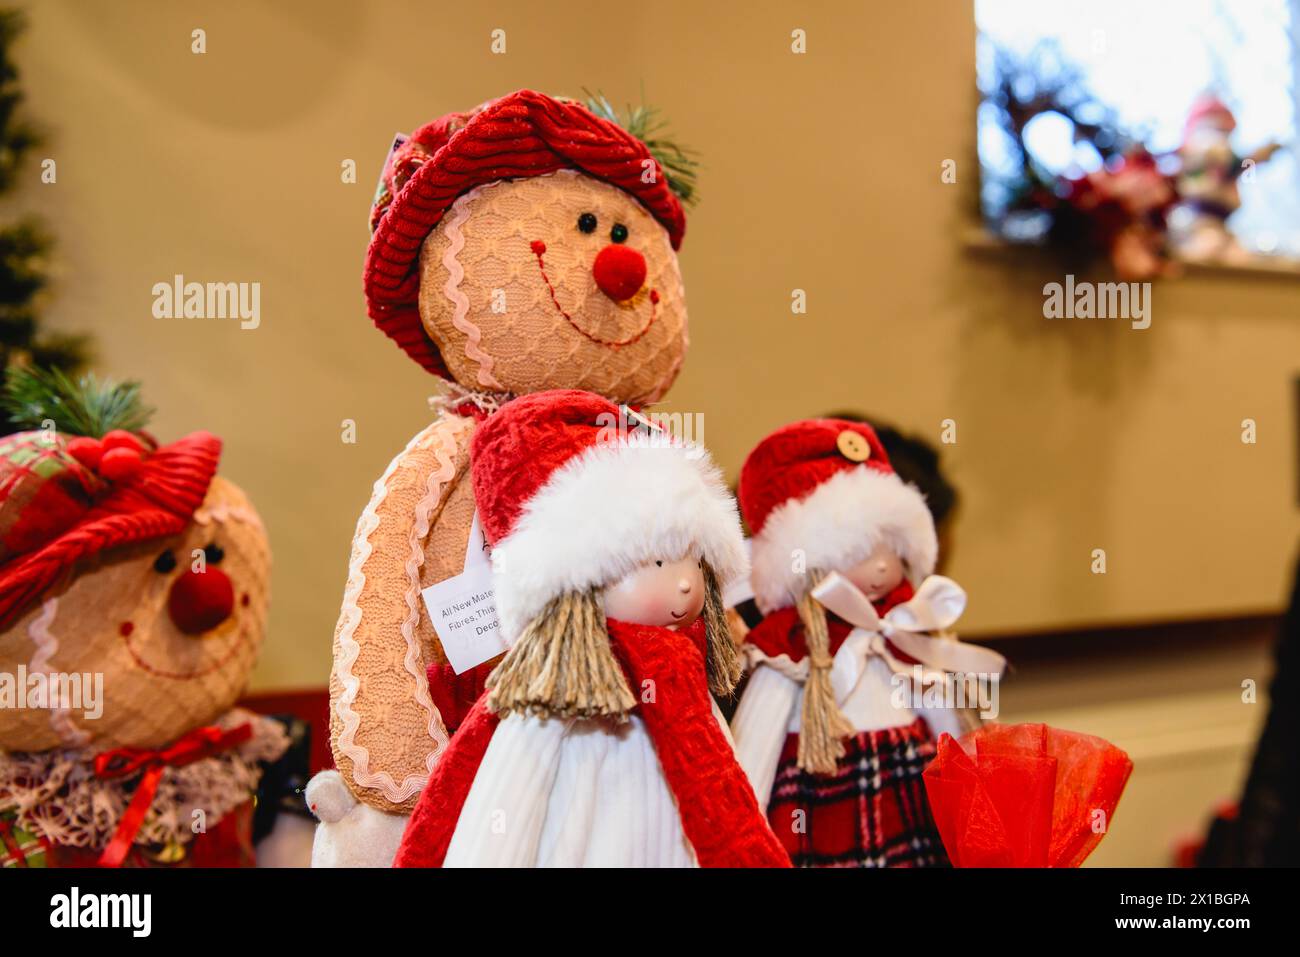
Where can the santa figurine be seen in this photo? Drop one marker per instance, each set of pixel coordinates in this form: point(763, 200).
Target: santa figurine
point(597, 742)
point(852, 663)
point(1207, 184)
point(527, 244)
point(133, 592)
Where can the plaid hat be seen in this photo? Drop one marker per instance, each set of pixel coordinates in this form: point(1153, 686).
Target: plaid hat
point(63, 498)
point(520, 135)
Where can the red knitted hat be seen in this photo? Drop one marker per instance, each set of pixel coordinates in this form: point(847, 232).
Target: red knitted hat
point(520, 135)
point(824, 489)
point(72, 497)
point(572, 496)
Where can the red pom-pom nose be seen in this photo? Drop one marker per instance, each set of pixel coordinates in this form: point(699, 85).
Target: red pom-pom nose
point(199, 601)
point(619, 272)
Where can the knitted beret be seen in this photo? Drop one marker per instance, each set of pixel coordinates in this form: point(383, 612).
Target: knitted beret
point(823, 490)
point(520, 135)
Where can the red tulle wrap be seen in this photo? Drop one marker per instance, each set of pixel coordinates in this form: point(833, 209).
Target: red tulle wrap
point(1024, 795)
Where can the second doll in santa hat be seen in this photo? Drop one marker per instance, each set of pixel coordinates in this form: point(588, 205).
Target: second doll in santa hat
point(833, 727)
point(597, 742)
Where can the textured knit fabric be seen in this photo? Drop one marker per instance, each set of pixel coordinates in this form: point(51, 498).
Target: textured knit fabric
point(509, 297)
point(570, 502)
point(522, 134)
point(795, 459)
point(453, 694)
point(111, 618)
point(872, 812)
point(385, 730)
point(159, 500)
point(563, 785)
point(824, 489)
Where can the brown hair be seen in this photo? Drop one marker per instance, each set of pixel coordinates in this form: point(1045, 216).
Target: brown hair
point(823, 726)
point(563, 666)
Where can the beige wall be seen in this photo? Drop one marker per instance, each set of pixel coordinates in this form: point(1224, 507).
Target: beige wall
point(822, 173)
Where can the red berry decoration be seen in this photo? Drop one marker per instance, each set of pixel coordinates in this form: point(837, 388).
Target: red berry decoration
point(122, 439)
point(120, 463)
point(87, 451)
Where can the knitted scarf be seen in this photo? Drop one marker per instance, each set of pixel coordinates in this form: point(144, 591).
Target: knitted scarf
point(720, 816)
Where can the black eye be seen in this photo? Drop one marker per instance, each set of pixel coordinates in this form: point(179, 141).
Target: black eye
point(587, 222)
point(618, 233)
point(213, 554)
point(165, 562)
point(660, 564)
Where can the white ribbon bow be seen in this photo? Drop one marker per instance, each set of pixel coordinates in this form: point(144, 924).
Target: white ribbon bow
point(913, 627)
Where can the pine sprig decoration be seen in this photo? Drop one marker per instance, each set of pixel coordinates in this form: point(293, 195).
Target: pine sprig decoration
point(85, 405)
point(679, 163)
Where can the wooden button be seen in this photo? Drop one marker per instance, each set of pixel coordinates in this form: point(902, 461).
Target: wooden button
point(853, 446)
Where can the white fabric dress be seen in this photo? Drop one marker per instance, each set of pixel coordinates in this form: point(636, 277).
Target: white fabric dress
point(570, 793)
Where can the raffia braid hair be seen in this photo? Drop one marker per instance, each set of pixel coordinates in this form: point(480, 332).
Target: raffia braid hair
point(723, 665)
point(562, 666)
point(823, 725)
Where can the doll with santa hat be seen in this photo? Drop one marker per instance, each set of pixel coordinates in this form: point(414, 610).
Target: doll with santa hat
point(527, 244)
point(597, 742)
point(834, 728)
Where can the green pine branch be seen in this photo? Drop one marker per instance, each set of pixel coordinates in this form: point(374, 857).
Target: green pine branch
point(679, 163)
point(85, 405)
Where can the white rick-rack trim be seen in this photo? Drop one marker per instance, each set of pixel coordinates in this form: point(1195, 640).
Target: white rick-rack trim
point(607, 512)
point(451, 225)
point(46, 644)
point(838, 525)
point(357, 753)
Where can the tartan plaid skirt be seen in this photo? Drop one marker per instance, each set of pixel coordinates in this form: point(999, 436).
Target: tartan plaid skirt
point(872, 812)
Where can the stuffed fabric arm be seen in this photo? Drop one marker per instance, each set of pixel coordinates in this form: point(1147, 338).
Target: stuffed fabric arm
point(760, 726)
point(385, 730)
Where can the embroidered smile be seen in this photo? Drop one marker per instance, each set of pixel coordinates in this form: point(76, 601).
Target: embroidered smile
point(539, 250)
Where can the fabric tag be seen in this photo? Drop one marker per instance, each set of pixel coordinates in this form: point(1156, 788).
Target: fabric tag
point(739, 590)
point(463, 609)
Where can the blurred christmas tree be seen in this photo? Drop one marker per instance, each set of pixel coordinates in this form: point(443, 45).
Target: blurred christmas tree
point(24, 243)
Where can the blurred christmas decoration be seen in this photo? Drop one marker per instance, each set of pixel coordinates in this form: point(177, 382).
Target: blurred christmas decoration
point(1207, 184)
point(1052, 128)
point(1061, 171)
point(24, 243)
